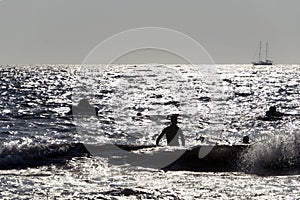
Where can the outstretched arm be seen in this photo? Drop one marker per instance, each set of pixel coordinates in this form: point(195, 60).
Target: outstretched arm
point(159, 137)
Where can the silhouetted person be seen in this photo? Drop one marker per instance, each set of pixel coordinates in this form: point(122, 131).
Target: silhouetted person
point(246, 139)
point(172, 132)
point(83, 108)
point(272, 112)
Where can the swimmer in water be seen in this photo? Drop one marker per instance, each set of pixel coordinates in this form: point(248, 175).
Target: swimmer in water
point(172, 132)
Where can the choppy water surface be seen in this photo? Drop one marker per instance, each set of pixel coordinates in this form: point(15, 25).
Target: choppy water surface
point(134, 102)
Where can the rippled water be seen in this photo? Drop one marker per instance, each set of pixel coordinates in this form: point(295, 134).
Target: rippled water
point(134, 102)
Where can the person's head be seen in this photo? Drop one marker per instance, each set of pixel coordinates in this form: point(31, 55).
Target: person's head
point(246, 139)
point(272, 109)
point(174, 119)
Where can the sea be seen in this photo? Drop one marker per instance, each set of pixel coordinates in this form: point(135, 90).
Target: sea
point(49, 145)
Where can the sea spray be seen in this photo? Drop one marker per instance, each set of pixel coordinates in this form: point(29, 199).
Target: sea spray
point(277, 154)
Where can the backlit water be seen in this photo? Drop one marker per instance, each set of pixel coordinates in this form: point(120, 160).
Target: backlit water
point(221, 103)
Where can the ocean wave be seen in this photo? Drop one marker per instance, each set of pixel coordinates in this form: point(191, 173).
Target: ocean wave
point(19, 157)
point(279, 154)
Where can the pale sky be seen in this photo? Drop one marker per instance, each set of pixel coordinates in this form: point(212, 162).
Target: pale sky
point(65, 31)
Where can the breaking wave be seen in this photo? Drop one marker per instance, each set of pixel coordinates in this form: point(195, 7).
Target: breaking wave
point(280, 155)
point(18, 157)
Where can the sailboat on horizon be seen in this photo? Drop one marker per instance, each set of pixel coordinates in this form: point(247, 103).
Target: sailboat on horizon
point(260, 61)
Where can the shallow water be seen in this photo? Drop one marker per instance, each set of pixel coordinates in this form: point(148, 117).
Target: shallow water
point(35, 101)
point(91, 178)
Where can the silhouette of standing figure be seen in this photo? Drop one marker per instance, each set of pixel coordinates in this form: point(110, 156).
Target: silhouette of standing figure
point(272, 112)
point(172, 132)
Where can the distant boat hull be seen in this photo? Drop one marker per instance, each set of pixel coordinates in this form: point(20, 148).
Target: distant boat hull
point(263, 63)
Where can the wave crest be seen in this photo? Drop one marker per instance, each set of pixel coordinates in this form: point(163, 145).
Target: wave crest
point(280, 154)
point(18, 157)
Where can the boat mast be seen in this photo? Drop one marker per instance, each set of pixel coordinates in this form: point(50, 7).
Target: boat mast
point(266, 51)
point(259, 54)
